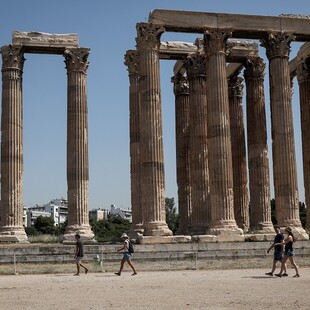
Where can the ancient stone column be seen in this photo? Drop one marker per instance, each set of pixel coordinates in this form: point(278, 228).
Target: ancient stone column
point(11, 211)
point(259, 181)
point(76, 60)
point(132, 62)
point(283, 145)
point(223, 221)
point(240, 178)
point(199, 173)
point(151, 136)
point(181, 91)
point(303, 76)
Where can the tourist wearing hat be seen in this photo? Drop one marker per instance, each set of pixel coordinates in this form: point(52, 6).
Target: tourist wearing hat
point(278, 246)
point(79, 253)
point(289, 252)
point(126, 255)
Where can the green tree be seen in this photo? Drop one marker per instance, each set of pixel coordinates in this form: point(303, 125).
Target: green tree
point(109, 230)
point(172, 217)
point(302, 213)
point(45, 225)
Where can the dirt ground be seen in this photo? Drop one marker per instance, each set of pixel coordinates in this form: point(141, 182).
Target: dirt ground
point(180, 289)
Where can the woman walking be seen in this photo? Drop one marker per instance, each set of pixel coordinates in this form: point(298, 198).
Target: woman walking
point(289, 252)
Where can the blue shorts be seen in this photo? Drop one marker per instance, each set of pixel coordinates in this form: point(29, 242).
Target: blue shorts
point(278, 255)
point(126, 256)
point(289, 253)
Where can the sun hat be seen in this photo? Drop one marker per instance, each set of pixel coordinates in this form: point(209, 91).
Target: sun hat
point(124, 235)
point(289, 229)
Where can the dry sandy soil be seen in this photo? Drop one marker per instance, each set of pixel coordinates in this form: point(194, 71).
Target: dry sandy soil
point(189, 289)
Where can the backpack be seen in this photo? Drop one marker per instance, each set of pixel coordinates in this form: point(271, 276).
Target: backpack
point(130, 247)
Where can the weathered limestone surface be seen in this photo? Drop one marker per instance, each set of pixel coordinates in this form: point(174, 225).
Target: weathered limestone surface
point(219, 138)
point(77, 145)
point(239, 163)
point(151, 137)
point(259, 181)
point(244, 26)
point(132, 62)
point(198, 140)
point(34, 42)
point(11, 211)
point(303, 76)
point(181, 91)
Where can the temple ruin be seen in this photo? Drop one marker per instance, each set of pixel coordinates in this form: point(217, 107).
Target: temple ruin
point(217, 201)
point(76, 61)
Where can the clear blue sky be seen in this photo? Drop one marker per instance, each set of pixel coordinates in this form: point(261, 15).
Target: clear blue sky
point(108, 28)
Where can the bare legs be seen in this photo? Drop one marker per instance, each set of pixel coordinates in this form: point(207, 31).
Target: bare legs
point(283, 267)
point(78, 269)
point(122, 266)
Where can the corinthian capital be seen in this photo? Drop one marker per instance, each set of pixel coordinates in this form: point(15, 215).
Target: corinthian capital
point(76, 59)
point(215, 40)
point(255, 69)
point(132, 62)
point(180, 84)
point(12, 57)
point(148, 35)
point(235, 86)
point(277, 45)
point(303, 70)
point(196, 65)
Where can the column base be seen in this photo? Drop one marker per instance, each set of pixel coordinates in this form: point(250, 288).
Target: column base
point(157, 229)
point(87, 236)
point(227, 233)
point(13, 234)
point(136, 231)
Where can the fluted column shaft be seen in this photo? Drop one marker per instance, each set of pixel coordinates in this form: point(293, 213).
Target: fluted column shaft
point(303, 76)
point(181, 92)
point(219, 138)
point(283, 145)
point(259, 181)
point(132, 62)
point(12, 145)
point(240, 179)
point(76, 61)
point(151, 137)
point(199, 173)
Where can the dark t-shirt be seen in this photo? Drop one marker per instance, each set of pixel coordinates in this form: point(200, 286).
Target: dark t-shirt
point(278, 239)
point(80, 251)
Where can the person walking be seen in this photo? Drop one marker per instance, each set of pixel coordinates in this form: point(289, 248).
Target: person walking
point(278, 245)
point(126, 255)
point(289, 253)
point(79, 253)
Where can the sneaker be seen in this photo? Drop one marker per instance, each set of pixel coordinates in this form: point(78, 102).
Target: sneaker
point(278, 275)
point(285, 275)
point(269, 274)
point(117, 273)
point(296, 275)
point(134, 274)
point(86, 270)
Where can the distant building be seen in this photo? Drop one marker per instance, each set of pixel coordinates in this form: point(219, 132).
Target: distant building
point(99, 214)
point(124, 214)
point(57, 209)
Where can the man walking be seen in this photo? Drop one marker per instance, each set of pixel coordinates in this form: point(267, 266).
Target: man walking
point(79, 253)
point(278, 245)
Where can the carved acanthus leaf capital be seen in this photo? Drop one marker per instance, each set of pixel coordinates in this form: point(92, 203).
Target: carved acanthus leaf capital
point(303, 70)
point(132, 62)
point(12, 57)
point(215, 40)
point(148, 35)
point(277, 45)
point(254, 69)
point(76, 59)
point(196, 65)
point(235, 86)
point(180, 84)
